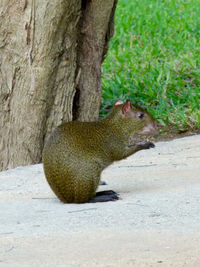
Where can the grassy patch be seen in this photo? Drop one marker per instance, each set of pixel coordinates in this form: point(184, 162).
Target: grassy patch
point(154, 60)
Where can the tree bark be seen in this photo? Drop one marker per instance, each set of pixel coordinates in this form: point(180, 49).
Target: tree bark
point(50, 70)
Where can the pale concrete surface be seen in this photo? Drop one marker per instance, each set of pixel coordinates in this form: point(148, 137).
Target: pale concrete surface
point(156, 222)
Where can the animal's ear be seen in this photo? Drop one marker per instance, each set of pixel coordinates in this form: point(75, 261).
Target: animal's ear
point(126, 107)
point(118, 102)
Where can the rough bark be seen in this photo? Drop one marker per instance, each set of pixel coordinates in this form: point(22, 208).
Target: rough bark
point(50, 69)
point(95, 30)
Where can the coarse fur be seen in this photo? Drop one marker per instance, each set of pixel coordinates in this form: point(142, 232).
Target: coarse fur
point(77, 152)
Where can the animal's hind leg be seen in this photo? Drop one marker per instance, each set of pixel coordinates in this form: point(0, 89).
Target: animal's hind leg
point(104, 196)
point(85, 189)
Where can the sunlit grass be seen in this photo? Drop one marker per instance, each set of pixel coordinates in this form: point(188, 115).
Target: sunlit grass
point(154, 60)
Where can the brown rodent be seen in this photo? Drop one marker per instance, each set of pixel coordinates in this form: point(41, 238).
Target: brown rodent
point(77, 152)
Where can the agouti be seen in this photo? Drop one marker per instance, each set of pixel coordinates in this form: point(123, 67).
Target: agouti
point(77, 152)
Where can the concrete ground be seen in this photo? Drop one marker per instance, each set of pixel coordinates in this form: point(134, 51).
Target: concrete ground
point(156, 222)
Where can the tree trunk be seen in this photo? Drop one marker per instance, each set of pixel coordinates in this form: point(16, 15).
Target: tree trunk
point(50, 70)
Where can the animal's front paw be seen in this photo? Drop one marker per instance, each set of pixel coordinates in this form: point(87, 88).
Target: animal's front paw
point(145, 145)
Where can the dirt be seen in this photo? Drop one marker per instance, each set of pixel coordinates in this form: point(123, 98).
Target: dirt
point(168, 133)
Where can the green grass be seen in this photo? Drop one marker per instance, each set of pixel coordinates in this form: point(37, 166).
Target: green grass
point(154, 60)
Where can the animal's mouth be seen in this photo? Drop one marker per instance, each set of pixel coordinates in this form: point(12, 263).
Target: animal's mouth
point(148, 134)
point(145, 138)
point(150, 128)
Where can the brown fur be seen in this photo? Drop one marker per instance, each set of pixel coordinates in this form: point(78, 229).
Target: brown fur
point(77, 152)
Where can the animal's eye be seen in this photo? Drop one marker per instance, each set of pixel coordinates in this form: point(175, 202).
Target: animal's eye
point(140, 115)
